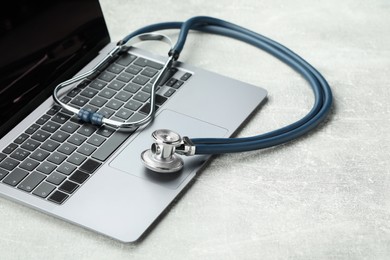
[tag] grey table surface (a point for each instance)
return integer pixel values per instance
(324, 196)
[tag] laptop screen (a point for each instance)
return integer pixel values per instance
(42, 43)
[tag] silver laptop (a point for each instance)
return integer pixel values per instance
(93, 177)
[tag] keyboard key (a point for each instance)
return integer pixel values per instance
(58, 197)
(145, 62)
(20, 154)
(50, 127)
(29, 164)
(125, 77)
(96, 140)
(116, 85)
(106, 76)
(97, 84)
(168, 74)
(169, 92)
(21, 138)
(171, 82)
(177, 84)
(60, 118)
(31, 181)
(90, 166)
(116, 69)
(106, 112)
(32, 129)
(142, 96)
(46, 167)
(67, 148)
(149, 72)
(50, 145)
(3, 173)
(39, 155)
(40, 135)
(74, 92)
(61, 136)
(2, 156)
(10, 148)
(44, 189)
(132, 88)
(69, 127)
(133, 105)
(186, 76)
(30, 145)
(43, 119)
(56, 158)
(79, 101)
(107, 93)
(53, 110)
(77, 139)
(98, 101)
(68, 187)
(66, 99)
(114, 104)
(133, 69)
(110, 145)
(126, 59)
(146, 109)
(15, 177)
(141, 80)
(105, 131)
(86, 149)
(87, 130)
(123, 96)
(124, 113)
(79, 177)
(66, 168)
(56, 178)
(76, 159)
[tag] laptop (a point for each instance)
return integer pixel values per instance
(93, 177)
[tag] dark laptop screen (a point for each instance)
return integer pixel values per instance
(43, 43)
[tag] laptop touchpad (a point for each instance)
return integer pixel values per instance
(129, 159)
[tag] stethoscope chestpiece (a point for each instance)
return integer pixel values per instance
(161, 156)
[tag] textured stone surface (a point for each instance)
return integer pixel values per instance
(324, 196)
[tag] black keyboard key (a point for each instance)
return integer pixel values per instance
(53, 110)
(125, 77)
(3, 173)
(146, 109)
(86, 149)
(20, 154)
(60, 118)
(97, 84)
(145, 62)
(133, 69)
(186, 76)
(114, 104)
(29, 164)
(98, 101)
(10, 148)
(167, 76)
(77, 139)
(66, 99)
(110, 145)
(89, 92)
(39, 155)
(116, 85)
(76, 159)
(68, 187)
(149, 72)
(50, 145)
(21, 138)
(56, 178)
(141, 80)
(30, 145)
(123, 96)
(70, 127)
(142, 96)
(66, 168)
(126, 59)
(133, 105)
(31, 181)
(90, 166)
(74, 92)
(32, 129)
(116, 69)
(66, 148)
(106, 76)
(43, 119)
(171, 82)
(2, 156)
(50, 126)
(106, 112)
(15, 177)
(87, 130)
(40, 135)
(56, 158)
(79, 177)
(132, 88)
(9, 164)
(96, 140)
(107, 93)
(169, 92)
(177, 84)
(79, 101)
(124, 113)
(44, 189)
(58, 197)
(46, 167)
(90, 108)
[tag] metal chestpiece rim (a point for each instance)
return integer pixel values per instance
(161, 156)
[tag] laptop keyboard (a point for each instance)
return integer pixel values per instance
(58, 153)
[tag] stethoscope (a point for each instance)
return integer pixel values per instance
(163, 154)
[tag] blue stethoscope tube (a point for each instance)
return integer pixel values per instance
(321, 89)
